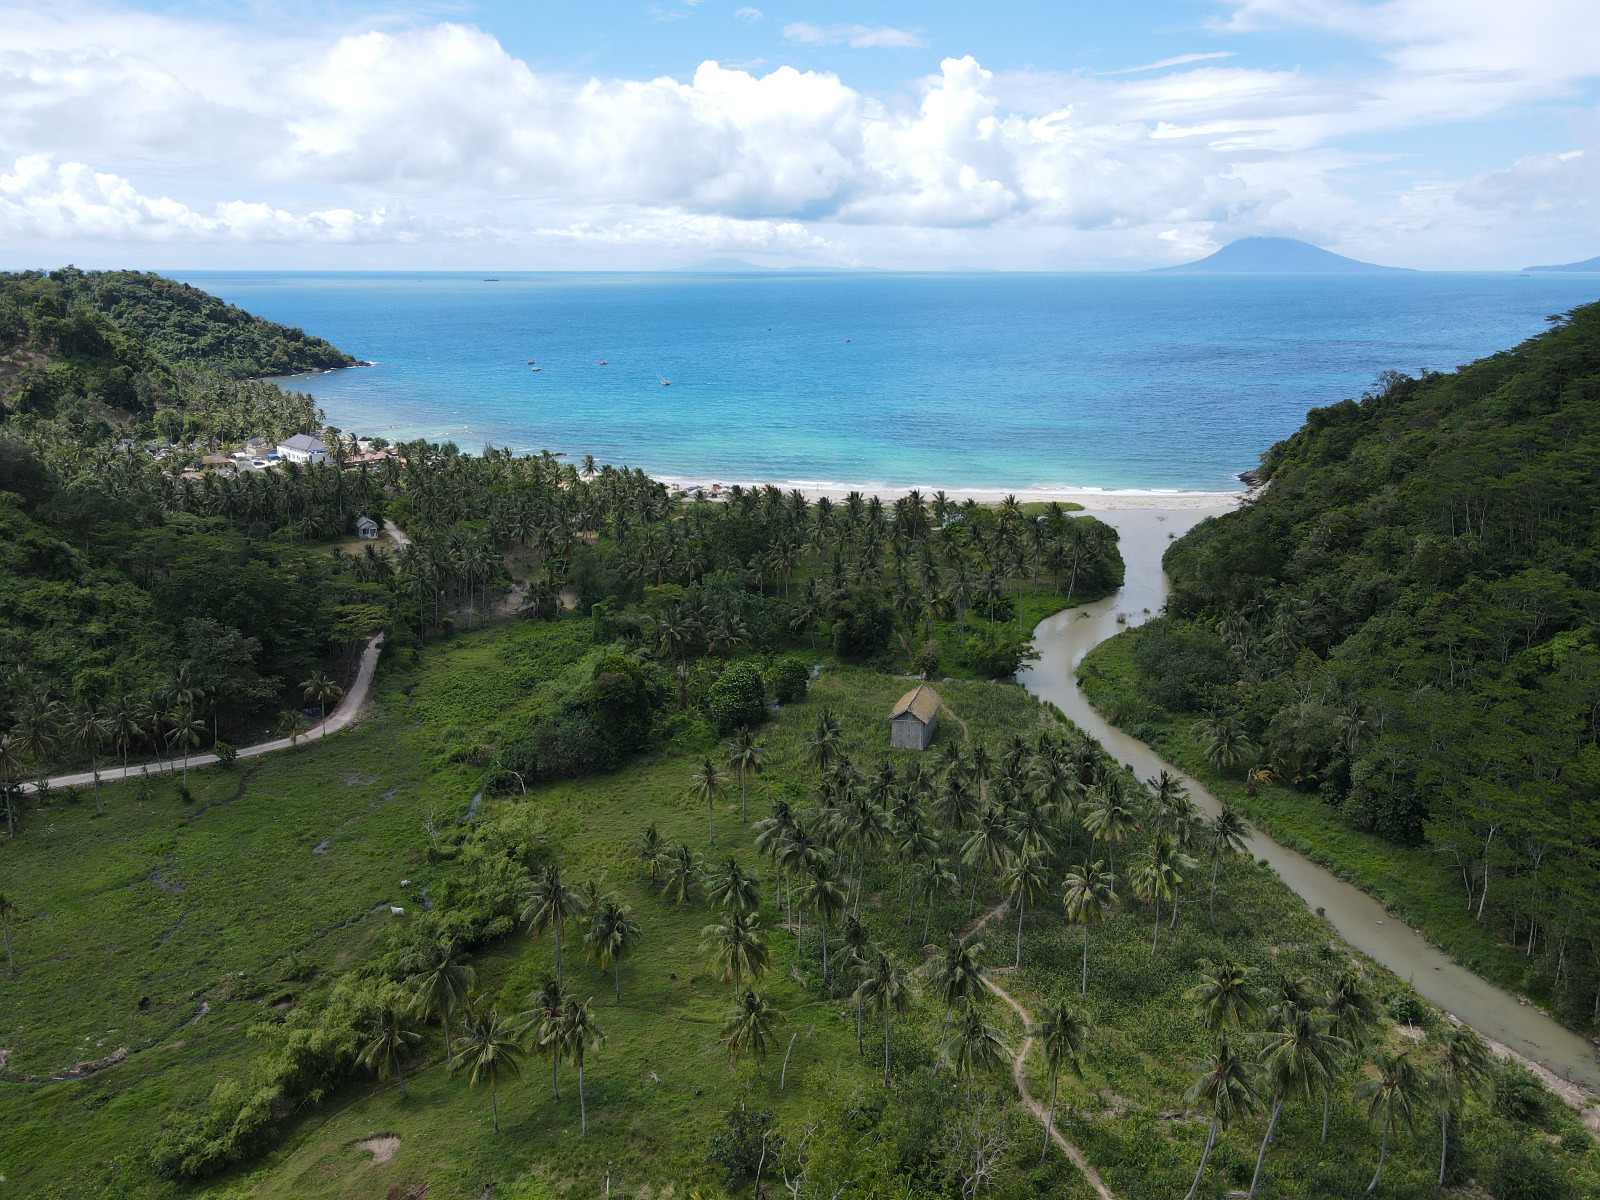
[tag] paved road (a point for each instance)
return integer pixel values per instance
(344, 713)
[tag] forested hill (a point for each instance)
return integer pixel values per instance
(1404, 625)
(176, 320)
(133, 342)
(184, 324)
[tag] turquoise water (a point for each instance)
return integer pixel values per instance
(1002, 380)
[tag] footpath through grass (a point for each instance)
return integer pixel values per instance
(170, 930)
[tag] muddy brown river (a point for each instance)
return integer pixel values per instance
(1062, 642)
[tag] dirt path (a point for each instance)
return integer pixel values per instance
(1040, 1113)
(349, 709)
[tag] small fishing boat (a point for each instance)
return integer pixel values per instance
(665, 382)
(530, 362)
(538, 368)
(602, 362)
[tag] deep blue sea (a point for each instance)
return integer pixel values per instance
(964, 380)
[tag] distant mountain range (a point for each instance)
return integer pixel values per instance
(1277, 255)
(1588, 264)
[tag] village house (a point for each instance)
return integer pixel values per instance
(366, 529)
(915, 719)
(302, 448)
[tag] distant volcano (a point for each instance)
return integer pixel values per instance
(1276, 255)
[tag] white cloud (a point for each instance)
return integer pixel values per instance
(748, 15)
(40, 199)
(437, 133)
(858, 37)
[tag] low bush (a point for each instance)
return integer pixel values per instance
(790, 678)
(738, 697)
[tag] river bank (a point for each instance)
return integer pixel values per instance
(1065, 638)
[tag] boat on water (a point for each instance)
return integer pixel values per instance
(664, 381)
(602, 362)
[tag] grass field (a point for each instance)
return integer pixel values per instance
(227, 912)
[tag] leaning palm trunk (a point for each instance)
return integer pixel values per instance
(1211, 1139)
(583, 1113)
(1272, 1124)
(1050, 1120)
(1383, 1152)
(1444, 1140)
(1083, 990)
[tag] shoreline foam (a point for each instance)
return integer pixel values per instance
(1093, 499)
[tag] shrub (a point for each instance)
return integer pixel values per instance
(861, 625)
(928, 660)
(227, 753)
(618, 702)
(1523, 1173)
(738, 697)
(998, 651)
(1519, 1096)
(564, 747)
(790, 678)
(1407, 1008)
(738, 1151)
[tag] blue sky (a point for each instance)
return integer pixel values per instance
(1450, 134)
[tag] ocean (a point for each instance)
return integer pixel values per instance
(1011, 381)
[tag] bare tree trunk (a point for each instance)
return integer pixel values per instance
(1272, 1124)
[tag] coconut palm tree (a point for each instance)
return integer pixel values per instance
(10, 772)
(1353, 1014)
(37, 731)
(737, 948)
(823, 896)
(1462, 1068)
(542, 1024)
(578, 1034)
(1225, 999)
(928, 881)
(321, 689)
(184, 735)
(1111, 820)
(885, 988)
(1391, 1098)
(489, 1053)
(1226, 744)
(744, 757)
(551, 904)
(612, 935)
(976, 1047)
(390, 1039)
(729, 887)
(1226, 1086)
(1296, 1058)
(955, 975)
(706, 783)
(1089, 899)
(1156, 878)
(123, 727)
(1225, 839)
(825, 742)
(988, 843)
(748, 1027)
(683, 873)
(439, 985)
(8, 913)
(1063, 1032)
(88, 730)
(1027, 878)
(651, 851)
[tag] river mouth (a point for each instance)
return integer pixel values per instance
(1062, 641)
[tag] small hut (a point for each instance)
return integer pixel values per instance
(366, 529)
(915, 718)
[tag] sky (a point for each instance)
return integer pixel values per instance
(647, 134)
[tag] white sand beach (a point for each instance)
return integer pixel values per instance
(1092, 499)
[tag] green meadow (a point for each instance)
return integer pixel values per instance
(164, 949)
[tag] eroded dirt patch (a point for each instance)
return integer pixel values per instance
(381, 1146)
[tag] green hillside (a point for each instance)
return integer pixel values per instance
(1401, 633)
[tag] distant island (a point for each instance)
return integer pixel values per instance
(1588, 264)
(1276, 255)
